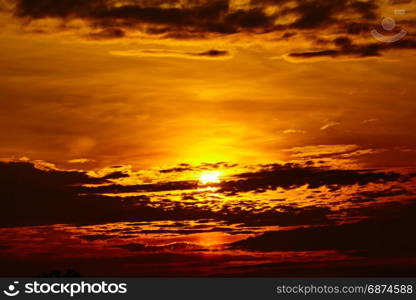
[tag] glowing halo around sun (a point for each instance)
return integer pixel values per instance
(210, 177)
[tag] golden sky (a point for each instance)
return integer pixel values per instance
(95, 83)
(181, 136)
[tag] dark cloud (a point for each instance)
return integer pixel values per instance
(372, 196)
(32, 196)
(322, 53)
(280, 216)
(203, 166)
(313, 14)
(292, 175)
(324, 13)
(394, 2)
(176, 170)
(346, 48)
(213, 53)
(375, 237)
(107, 33)
(96, 237)
(134, 247)
(356, 28)
(21, 173)
(209, 54)
(367, 9)
(190, 19)
(206, 16)
(391, 192)
(248, 19)
(371, 223)
(154, 187)
(105, 10)
(114, 175)
(268, 178)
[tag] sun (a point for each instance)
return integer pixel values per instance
(210, 177)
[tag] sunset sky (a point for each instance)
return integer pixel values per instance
(152, 83)
(251, 114)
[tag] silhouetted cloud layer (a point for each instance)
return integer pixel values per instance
(344, 47)
(383, 236)
(314, 19)
(203, 16)
(34, 196)
(292, 175)
(345, 222)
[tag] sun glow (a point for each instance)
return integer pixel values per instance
(210, 177)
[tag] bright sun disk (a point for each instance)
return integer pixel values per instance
(210, 177)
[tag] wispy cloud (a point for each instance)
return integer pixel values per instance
(209, 54)
(370, 121)
(294, 131)
(80, 160)
(329, 125)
